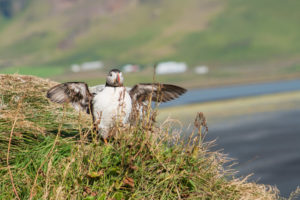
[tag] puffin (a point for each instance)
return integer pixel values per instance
(112, 102)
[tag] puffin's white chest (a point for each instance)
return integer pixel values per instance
(112, 104)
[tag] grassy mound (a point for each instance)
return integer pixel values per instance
(50, 152)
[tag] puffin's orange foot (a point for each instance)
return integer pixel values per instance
(105, 141)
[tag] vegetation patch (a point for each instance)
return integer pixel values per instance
(293, 68)
(50, 152)
(41, 71)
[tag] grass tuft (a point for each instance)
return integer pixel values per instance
(53, 154)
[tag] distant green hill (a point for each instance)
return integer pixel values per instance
(58, 33)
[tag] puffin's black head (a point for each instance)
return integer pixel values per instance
(114, 78)
(115, 70)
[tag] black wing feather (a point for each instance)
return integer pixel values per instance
(159, 92)
(76, 93)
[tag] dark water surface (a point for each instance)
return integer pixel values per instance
(231, 92)
(266, 144)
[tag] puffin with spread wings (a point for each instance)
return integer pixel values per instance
(111, 102)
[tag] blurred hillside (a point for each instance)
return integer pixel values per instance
(57, 33)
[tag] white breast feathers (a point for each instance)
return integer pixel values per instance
(111, 105)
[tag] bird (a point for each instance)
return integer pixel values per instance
(111, 102)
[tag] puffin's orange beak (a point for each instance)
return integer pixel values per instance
(118, 78)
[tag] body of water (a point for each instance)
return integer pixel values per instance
(231, 92)
(265, 144)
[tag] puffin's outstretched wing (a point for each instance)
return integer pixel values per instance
(159, 92)
(76, 93)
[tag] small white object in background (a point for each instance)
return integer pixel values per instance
(75, 68)
(201, 69)
(171, 67)
(130, 68)
(91, 65)
(87, 66)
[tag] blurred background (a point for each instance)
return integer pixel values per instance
(240, 61)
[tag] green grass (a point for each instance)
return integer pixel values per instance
(246, 31)
(54, 154)
(41, 71)
(293, 68)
